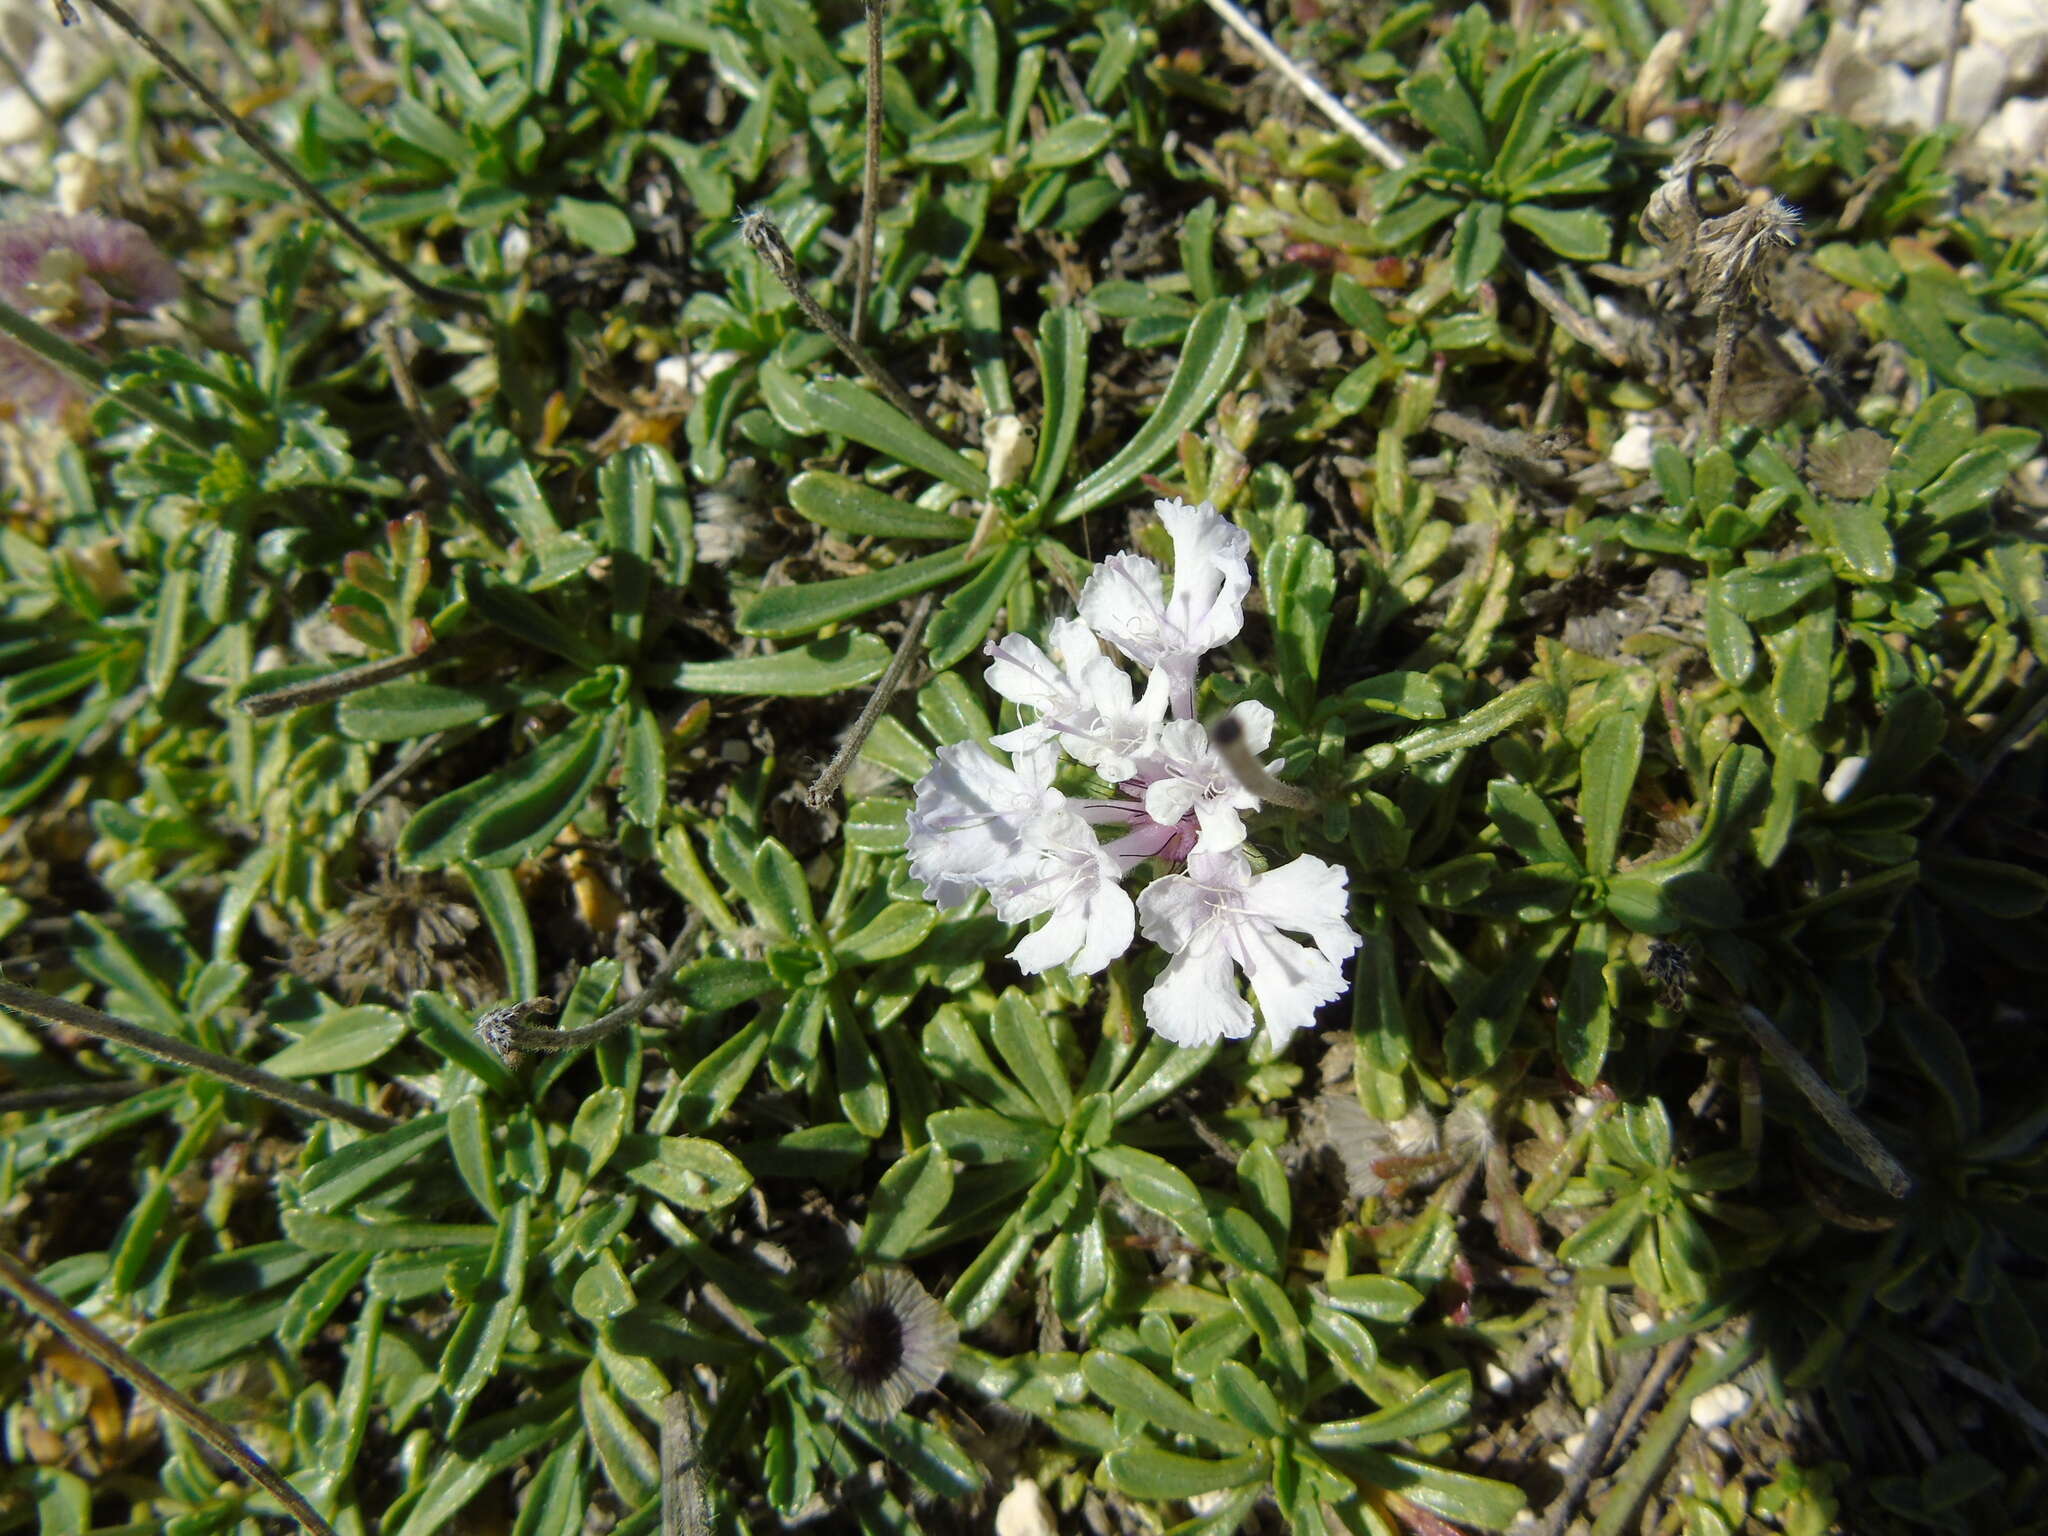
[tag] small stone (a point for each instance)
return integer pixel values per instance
(1719, 1405)
(1025, 1511)
(1842, 781)
(1496, 1380)
(1632, 449)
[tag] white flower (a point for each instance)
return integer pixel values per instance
(1125, 601)
(1083, 699)
(972, 818)
(1066, 873)
(1220, 918)
(1186, 776)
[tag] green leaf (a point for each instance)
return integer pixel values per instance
(1298, 574)
(195, 1342)
(1584, 1016)
(1457, 1496)
(1273, 1318)
(1577, 234)
(1019, 1033)
(1607, 776)
(1526, 825)
(1440, 1405)
(343, 1177)
(504, 907)
(1476, 245)
(1765, 591)
(687, 1171)
(643, 776)
(800, 607)
(1208, 361)
(957, 628)
(1405, 223)
(1071, 142)
(1731, 644)
(1207, 1344)
(1865, 542)
(841, 406)
(1553, 92)
(1442, 105)
(1377, 1298)
(594, 1136)
(1940, 432)
(470, 1358)
(837, 501)
(823, 667)
(785, 893)
(1156, 1185)
(341, 1042)
(1063, 364)
(407, 708)
(879, 826)
(1143, 1472)
(1249, 1401)
(601, 227)
(980, 1137)
(469, 1143)
(504, 816)
(907, 1200)
(1129, 1388)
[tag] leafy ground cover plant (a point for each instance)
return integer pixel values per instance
(410, 687)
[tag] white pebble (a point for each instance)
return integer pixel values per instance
(1631, 450)
(1025, 1512)
(1843, 779)
(1496, 1380)
(1719, 1405)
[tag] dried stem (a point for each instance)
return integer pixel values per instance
(1841, 1119)
(871, 175)
(453, 476)
(70, 1096)
(336, 685)
(1944, 82)
(1583, 329)
(1598, 1438)
(1727, 332)
(275, 159)
(1308, 85)
(96, 1346)
(826, 785)
(761, 233)
(166, 1048)
(684, 1511)
(504, 1031)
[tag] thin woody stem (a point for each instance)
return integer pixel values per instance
(503, 1031)
(827, 783)
(1727, 332)
(761, 233)
(1841, 1119)
(336, 685)
(175, 1052)
(80, 365)
(871, 175)
(102, 1350)
(275, 159)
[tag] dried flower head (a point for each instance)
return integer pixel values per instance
(1734, 255)
(71, 274)
(404, 934)
(884, 1341)
(1850, 466)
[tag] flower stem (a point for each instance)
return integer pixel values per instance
(502, 1030)
(90, 1341)
(89, 371)
(273, 157)
(827, 783)
(871, 176)
(166, 1048)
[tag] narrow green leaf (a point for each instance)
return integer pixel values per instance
(841, 406)
(470, 1358)
(1607, 776)
(1063, 365)
(812, 671)
(1129, 1388)
(1583, 1013)
(964, 618)
(1477, 245)
(1208, 362)
(799, 608)
(838, 501)
(907, 1200)
(1143, 1472)
(342, 1042)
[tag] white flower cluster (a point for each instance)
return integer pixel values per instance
(979, 824)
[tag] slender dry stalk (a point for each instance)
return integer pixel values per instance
(504, 1031)
(1582, 328)
(1944, 83)
(175, 1052)
(96, 1346)
(273, 157)
(1727, 332)
(684, 1510)
(89, 372)
(336, 685)
(826, 785)
(760, 231)
(1831, 1106)
(453, 476)
(871, 175)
